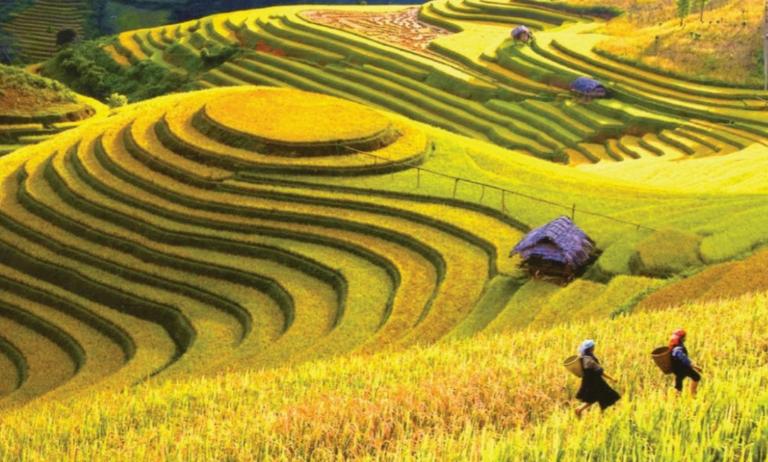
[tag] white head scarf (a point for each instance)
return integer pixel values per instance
(585, 346)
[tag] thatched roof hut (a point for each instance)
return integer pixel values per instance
(589, 87)
(522, 34)
(558, 249)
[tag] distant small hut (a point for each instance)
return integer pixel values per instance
(522, 34)
(557, 250)
(589, 88)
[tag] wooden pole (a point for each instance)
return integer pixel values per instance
(503, 200)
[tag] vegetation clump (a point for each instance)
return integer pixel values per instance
(88, 69)
(23, 93)
(666, 252)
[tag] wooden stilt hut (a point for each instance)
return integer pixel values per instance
(558, 250)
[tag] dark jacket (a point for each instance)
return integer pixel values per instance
(680, 360)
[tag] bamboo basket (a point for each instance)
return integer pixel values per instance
(573, 364)
(663, 358)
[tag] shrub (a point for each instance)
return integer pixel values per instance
(665, 253)
(214, 54)
(117, 100)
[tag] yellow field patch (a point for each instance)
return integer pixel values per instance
(295, 117)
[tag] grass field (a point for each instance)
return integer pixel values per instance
(728, 38)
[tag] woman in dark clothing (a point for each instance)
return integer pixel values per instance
(594, 388)
(682, 366)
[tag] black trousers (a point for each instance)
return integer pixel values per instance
(682, 374)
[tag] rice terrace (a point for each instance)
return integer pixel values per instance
(240, 230)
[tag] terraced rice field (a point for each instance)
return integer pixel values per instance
(18, 130)
(138, 233)
(247, 227)
(192, 234)
(453, 65)
(34, 28)
(34, 109)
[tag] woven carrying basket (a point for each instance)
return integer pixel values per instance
(663, 358)
(573, 364)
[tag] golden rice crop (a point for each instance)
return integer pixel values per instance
(48, 364)
(118, 153)
(620, 294)
(724, 280)
(523, 307)
(8, 375)
(103, 356)
(463, 261)
(686, 290)
(411, 143)
(502, 236)
(563, 305)
(217, 23)
(154, 348)
(470, 400)
(404, 258)
(302, 118)
(667, 252)
(131, 46)
(116, 56)
(41, 191)
(143, 133)
(314, 298)
(216, 331)
(742, 277)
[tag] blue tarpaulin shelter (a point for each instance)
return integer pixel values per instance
(559, 249)
(588, 87)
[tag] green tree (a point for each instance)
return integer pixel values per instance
(683, 9)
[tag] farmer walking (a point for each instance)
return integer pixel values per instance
(682, 366)
(594, 389)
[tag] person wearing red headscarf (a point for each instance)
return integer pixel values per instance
(682, 366)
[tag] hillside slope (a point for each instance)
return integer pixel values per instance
(447, 63)
(33, 108)
(722, 46)
(34, 28)
(254, 227)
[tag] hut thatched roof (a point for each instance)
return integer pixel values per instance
(586, 85)
(520, 30)
(559, 241)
